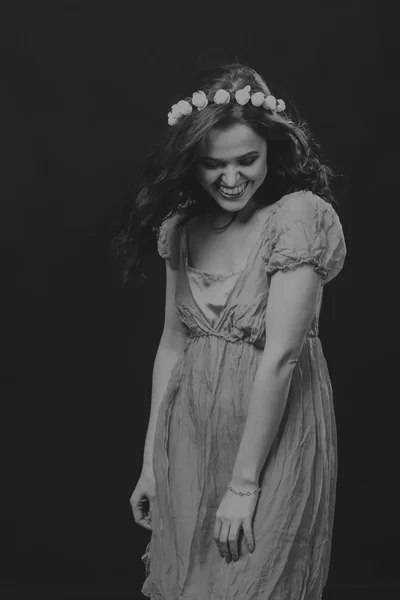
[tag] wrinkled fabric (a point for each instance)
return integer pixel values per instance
(203, 413)
(210, 292)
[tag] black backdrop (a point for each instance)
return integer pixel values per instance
(85, 91)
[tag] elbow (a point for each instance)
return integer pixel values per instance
(278, 358)
(173, 340)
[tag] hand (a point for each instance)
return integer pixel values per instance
(234, 512)
(145, 489)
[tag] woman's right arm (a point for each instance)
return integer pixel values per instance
(172, 343)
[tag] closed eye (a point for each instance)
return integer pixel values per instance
(243, 163)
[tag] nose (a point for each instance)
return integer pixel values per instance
(230, 177)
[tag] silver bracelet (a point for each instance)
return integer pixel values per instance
(244, 493)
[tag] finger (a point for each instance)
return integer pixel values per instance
(138, 513)
(223, 538)
(216, 534)
(233, 542)
(145, 524)
(248, 534)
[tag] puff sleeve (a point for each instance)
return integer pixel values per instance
(168, 241)
(306, 229)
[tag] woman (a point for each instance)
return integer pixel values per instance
(240, 459)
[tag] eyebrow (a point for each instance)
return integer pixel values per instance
(251, 153)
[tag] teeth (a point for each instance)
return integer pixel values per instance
(234, 192)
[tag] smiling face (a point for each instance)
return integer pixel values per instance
(232, 164)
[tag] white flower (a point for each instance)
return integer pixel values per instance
(222, 97)
(183, 108)
(178, 111)
(281, 106)
(172, 119)
(175, 112)
(243, 96)
(257, 99)
(270, 103)
(199, 99)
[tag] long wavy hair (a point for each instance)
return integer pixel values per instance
(170, 185)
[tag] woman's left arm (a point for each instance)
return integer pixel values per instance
(292, 303)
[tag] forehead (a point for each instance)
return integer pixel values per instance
(227, 143)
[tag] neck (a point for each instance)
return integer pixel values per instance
(224, 217)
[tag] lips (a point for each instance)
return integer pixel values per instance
(232, 192)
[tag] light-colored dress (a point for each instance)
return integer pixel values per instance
(203, 413)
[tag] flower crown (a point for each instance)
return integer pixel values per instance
(200, 100)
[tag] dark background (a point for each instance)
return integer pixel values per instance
(85, 91)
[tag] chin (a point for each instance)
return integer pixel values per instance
(233, 206)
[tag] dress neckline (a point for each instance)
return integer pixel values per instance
(223, 276)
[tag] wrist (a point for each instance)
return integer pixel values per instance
(147, 470)
(244, 479)
(241, 492)
(243, 488)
